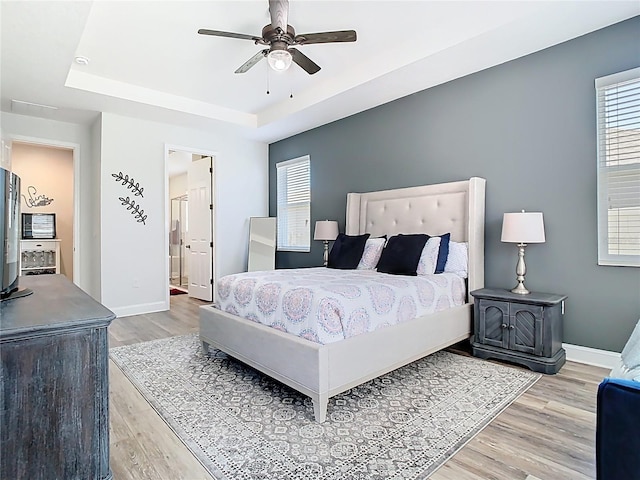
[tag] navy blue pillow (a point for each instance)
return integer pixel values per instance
(443, 252)
(402, 253)
(347, 251)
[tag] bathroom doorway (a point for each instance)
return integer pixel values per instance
(190, 222)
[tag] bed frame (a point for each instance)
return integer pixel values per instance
(322, 371)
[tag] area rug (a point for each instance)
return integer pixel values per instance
(241, 424)
(176, 291)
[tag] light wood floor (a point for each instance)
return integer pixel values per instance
(547, 434)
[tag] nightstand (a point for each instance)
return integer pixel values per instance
(524, 329)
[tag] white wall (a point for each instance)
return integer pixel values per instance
(133, 261)
(95, 224)
(40, 130)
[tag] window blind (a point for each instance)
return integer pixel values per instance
(294, 204)
(618, 116)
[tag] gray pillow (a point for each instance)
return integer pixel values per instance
(631, 351)
(629, 367)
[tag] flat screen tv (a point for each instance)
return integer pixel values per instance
(9, 232)
(38, 225)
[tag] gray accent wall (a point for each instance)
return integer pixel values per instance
(529, 127)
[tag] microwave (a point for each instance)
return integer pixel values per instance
(38, 225)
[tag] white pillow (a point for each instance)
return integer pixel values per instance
(458, 259)
(371, 254)
(429, 257)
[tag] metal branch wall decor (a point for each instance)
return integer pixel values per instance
(130, 183)
(129, 203)
(135, 209)
(34, 199)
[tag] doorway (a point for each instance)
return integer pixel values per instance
(190, 222)
(48, 173)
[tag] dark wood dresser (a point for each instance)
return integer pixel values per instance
(54, 402)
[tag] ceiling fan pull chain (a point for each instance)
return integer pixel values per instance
(268, 92)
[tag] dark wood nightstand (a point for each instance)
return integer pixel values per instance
(524, 329)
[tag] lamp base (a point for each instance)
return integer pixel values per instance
(520, 289)
(521, 271)
(326, 252)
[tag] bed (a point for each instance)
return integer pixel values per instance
(322, 371)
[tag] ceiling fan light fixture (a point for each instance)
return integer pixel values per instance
(280, 39)
(279, 60)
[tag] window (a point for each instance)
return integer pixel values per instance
(618, 107)
(294, 205)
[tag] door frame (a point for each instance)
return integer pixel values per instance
(167, 212)
(75, 147)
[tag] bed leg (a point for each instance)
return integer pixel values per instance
(205, 347)
(320, 407)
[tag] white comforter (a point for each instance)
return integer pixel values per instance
(325, 305)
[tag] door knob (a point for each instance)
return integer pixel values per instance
(188, 246)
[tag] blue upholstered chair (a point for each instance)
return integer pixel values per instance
(618, 417)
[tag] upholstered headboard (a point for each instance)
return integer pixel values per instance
(455, 207)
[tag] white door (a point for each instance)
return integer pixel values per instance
(199, 235)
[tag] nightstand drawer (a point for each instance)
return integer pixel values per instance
(495, 319)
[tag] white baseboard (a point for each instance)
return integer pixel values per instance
(591, 356)
(140, 309)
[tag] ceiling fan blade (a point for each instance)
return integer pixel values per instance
(305, 62)
(325, 37)
(218, 33)
(279, 12)
(252, 61)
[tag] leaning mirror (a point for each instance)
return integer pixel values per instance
(262, 243)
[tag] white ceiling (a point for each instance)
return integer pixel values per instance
(147, 60)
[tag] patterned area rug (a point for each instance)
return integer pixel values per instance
(244, 425)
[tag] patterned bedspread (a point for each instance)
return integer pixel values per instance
(327, 305)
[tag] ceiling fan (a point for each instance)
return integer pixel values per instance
(280, 37)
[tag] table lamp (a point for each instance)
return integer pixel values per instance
(522, 228)
(326, 230)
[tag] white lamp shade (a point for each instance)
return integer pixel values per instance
(326, 230)
(523, 227)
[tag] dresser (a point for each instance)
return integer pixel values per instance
(524, 329)
(54, 383)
